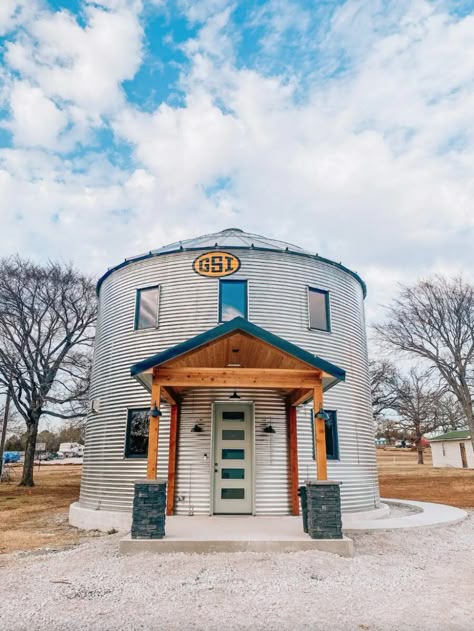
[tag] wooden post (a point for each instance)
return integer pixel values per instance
(319, 434)
(172, 459)
(293, 460)
(153, 431)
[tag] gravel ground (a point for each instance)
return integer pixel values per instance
(411, 580)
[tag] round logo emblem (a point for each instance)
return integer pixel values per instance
(216, 264)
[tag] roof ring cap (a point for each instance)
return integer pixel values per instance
(232, 230)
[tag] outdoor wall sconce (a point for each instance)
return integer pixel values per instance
(196, 428)
(155, 412)
(269, 429)
(322, 415)
(234, 396)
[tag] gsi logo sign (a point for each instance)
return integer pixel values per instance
(216, 264)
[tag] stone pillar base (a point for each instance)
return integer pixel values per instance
(149, 509)
(324, 509)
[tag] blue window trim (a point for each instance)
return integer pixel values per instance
(328, 309)
(335, 437)
(234, 280)
(137, 308)
(127, 453)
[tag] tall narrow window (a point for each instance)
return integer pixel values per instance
(318, 305)
(232, 299)
(136, 440)
(332, 442)
(146, 310)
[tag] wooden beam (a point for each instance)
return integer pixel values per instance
(237, 377)
(173, 452)
(170, 395)
(293, 460)
(299, 396)
(319, 434)
(153, 432)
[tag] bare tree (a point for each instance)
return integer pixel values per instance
(382, 373)
(417, 399)
(434, 320)
(450, 414)
(388, 428)
(47, 318)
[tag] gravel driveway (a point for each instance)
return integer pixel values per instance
(413, 579)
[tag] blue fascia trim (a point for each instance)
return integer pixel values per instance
(238, 324)
(234, 247)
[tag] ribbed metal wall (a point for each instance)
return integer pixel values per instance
(188, 306)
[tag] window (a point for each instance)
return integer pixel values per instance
(136, 440)
(332, 443)
(233, 416)
(232, 494)
(146, 310)
(318, 306)
(233, 434)
(233, 474)
(232, 299)
(233, 454)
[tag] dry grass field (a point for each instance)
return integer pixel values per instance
(401, 477)
(37, 518)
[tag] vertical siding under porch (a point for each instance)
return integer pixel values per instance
(193, 493)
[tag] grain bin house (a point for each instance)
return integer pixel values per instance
(234, 367)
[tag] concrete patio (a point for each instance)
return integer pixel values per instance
(235, 534)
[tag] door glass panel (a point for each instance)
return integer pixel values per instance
(233, 474)
(233, 434)
(233, 454)
(232, 494)
(233, 416)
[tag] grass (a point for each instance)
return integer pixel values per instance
(401, 477)
(37, 517)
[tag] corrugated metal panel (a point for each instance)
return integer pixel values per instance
(356, 468)
(188, 306)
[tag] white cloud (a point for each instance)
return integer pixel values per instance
(36, 121)
(74, 71)
(15, 12)
(371, 166)
(80, 65)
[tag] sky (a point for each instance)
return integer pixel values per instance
(344, 127)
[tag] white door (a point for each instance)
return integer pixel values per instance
(233, 442)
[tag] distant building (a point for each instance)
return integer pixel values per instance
(453, 449)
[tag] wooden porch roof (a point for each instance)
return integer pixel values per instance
(238, 354)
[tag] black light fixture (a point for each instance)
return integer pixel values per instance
(269, 429)
(155, 412)
(234, 396)
(196, 428)
(322, 415)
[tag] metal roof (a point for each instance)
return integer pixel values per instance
(460, 434)
(231, 238)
